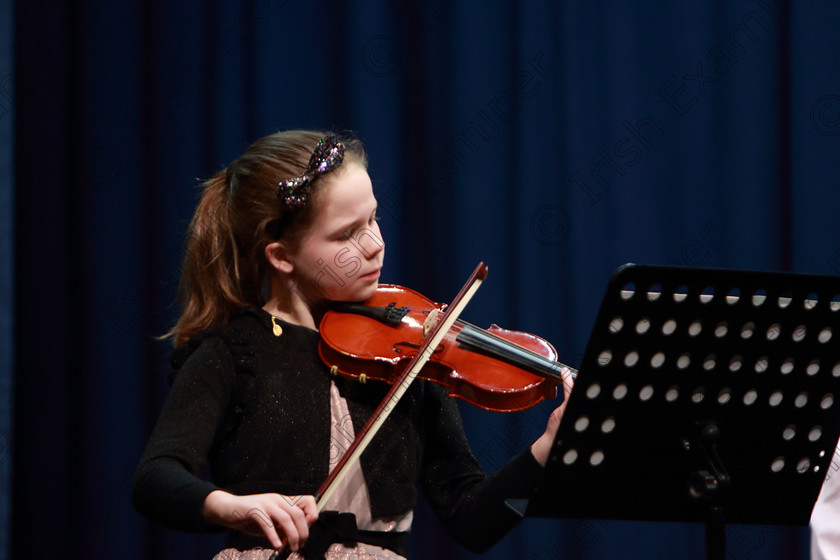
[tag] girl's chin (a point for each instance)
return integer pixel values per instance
(359, 293)
(368, 291)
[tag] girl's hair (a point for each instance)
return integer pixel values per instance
(238, 214)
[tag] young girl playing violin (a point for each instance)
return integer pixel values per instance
(285, 230)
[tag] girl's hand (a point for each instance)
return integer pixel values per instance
(284, 520)
(541, 447)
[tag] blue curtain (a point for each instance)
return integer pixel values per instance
(553, 140)
(7, 266)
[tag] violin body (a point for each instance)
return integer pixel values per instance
(481, 366)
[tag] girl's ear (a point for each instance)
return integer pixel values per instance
(278, 257)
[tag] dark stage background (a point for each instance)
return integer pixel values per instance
(553, 140)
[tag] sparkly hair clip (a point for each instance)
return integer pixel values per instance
(294, 193)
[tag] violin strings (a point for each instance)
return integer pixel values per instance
(475, 335)
(493, 342)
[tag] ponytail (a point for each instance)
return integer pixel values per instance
(210, 288)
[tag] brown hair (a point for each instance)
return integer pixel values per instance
(239, 214)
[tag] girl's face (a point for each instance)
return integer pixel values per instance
(340, 255)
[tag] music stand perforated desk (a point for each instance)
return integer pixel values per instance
(704, 396)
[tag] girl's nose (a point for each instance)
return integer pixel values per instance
(370, 242)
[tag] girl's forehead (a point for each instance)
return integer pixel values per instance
(347, 195)
(351, 186)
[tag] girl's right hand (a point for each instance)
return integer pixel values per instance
(283, 519)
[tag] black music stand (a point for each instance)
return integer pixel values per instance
(704, 395)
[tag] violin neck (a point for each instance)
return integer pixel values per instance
(483, 342)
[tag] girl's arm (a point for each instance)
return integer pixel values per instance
(168, 487)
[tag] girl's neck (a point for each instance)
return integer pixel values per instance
(291, 306)
(291, 316)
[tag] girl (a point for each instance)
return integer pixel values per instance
(286, 229)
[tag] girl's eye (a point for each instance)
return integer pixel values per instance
(352, 232)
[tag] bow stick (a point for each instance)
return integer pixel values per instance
(398, 389)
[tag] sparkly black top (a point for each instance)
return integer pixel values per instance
(256, 407)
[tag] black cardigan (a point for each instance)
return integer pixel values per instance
(257, 407)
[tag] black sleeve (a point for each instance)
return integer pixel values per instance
(468, 503)
(167, 487)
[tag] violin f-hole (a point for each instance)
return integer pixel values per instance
(413, 346)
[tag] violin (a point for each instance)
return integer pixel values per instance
(386, 338)
(495, 369)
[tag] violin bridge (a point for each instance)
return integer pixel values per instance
(431, 321)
